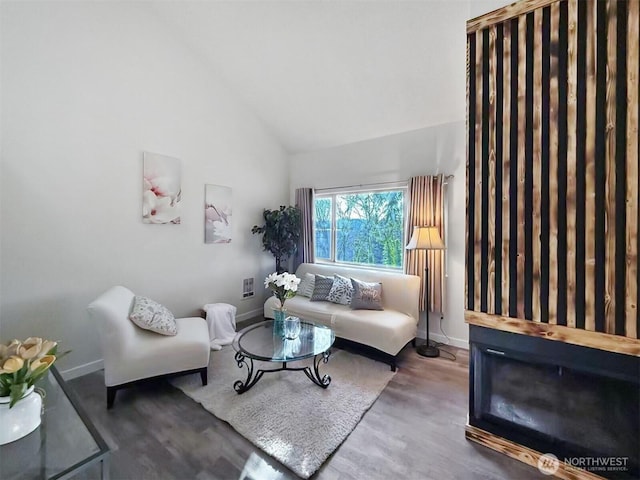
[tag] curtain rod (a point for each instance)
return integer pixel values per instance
(446, 177)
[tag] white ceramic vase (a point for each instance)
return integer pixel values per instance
(21, 419)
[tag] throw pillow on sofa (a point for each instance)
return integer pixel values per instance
(306, 285)
(366, 296)
(341, 291)
(321, 288)
(152, 316)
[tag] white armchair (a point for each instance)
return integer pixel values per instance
(132, 354)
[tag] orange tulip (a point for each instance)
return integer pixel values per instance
(45, 360)
(12, 347)
(30, 348)
(12, 364)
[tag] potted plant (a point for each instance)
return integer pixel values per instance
(284, 286)
(281, 232)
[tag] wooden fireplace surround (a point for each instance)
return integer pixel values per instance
(552, 177)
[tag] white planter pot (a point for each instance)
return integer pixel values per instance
(21, 419)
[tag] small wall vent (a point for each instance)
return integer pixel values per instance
(247, 288)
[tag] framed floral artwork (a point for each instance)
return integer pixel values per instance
(217, 214)
(161, 190)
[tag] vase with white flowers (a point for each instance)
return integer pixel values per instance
(284, 286)
(22, 364)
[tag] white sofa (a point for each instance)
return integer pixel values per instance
(387, 331)
(132, 354)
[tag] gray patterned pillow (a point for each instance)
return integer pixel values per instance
(341, 291)
(366, 296)
(152, 316)
(321, 288)
(306, 285)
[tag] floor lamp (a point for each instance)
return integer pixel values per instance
(426, 238)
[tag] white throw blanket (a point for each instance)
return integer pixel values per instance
(221, 318)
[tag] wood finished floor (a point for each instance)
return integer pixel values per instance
(415, 430)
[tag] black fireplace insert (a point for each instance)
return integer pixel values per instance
(580, 404)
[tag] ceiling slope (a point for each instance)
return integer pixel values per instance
(322, 74)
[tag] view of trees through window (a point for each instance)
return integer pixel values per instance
(368, 228)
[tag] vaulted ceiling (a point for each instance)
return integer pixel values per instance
(321, 74)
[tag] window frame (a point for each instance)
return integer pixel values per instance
(332, 193)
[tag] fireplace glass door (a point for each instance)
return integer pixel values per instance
(554, 408)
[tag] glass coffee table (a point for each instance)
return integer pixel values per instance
(262, 343)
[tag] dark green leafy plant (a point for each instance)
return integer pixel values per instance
(281, 232)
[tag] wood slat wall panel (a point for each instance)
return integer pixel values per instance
(468, 205)
(522, 55)
(554, 127)
(478, 169)
(502, 14)
(553, 164)
(537, 162)
(506, 165)
(572, 98)
(610, 185)
(491, 211)
(590, 168)
(632, 314)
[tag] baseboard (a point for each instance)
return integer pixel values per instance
(258, 312)
(454, 342)
(81, 370)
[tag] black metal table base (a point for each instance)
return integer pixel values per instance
(253, 376)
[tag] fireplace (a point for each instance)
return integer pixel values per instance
(578, 403)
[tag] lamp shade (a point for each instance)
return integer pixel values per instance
(425, 238)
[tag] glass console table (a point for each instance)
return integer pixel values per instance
(63, 445)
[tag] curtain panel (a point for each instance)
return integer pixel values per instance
(427, 208)
(306, 248)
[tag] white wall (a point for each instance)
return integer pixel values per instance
(86, 88)
(480, 7)
(431, 150)
(438, 149)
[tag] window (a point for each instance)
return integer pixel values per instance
(361, 227)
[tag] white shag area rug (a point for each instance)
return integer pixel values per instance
(285, 414)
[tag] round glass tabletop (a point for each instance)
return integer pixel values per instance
(261, 342)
